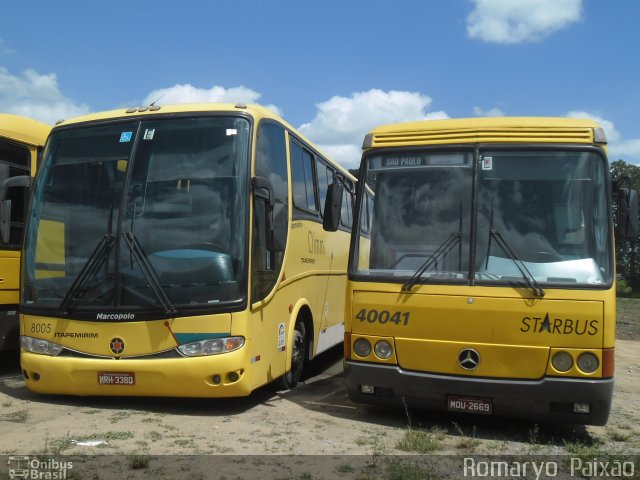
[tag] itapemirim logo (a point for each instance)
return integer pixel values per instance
(38, 468)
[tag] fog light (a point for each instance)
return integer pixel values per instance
(362, 347)
(562, 361)
(383, 349)
(588, 362)
(581, 408)
(233, 377)
(216, 379)
(368, 389)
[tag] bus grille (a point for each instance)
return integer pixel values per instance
(483, 135)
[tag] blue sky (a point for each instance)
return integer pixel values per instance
(333, 68)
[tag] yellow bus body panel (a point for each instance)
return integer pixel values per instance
(513, 335)
(157, 377)
(144, 343)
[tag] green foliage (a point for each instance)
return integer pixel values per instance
(627, 250)
(622, 288)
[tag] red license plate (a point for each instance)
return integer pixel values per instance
(116, 378)
(469, 405)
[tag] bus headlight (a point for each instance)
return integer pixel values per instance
(42, 347)
(562, 361)
(212, 346)
(383, 349)
(588, 362)
(362, 347)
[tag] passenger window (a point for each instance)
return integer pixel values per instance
(346, 216)
(303, 184)
(15, 160)
(325, 178)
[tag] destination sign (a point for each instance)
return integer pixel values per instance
(418, 160)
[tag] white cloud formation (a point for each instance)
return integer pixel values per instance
(492, 112)
(37, 96)
(619, 148)
(517, 21)
(341, 123)
(189, 94)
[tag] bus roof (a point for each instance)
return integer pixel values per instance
(23, 129)
(486, 130)
(258, 112)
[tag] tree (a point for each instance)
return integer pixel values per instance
(627, 250)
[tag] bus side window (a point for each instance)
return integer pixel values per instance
(325, 177)
(15, 160)
(346, 217)
(271, 163)
(303, 179)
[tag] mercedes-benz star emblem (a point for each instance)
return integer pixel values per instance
(117, 345)
(469, 359)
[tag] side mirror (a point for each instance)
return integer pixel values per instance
(263, 190)
(5, 204)
(333, 207)
(627, 212)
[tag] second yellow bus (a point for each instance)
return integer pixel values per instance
(481, 273)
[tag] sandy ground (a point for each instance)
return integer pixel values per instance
(316, 418)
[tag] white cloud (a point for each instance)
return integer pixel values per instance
(189, 94)
(619, 148)
(517, 21)
(492, 112)
(627, 150)
(37, 96)
(613, 136)
(341, 123)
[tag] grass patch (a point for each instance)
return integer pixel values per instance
(618, 435)
(19, 416)
(345, 468)
(422, 440)
(153, 436)
(184, 442)
(116, 417)
(466, 442)
(587, 449)
(138, 462)
(400, 470)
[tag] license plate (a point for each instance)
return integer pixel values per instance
(469, 404)
(119, 378)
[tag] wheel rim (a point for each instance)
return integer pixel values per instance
(297, 357)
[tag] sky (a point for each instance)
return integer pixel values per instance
(332, 68)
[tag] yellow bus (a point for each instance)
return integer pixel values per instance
(481, 271)
(21, 140)
(180, 251)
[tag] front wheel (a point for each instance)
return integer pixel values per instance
(298, 357)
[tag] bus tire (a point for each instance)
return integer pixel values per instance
(299, 348)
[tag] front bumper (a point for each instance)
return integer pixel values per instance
(173, 377)
(547, 399)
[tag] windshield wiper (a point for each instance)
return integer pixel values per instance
(94, 263)
(440, 252)
(149, 273)
(524, 271)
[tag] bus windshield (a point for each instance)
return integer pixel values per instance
(540, 218)
(139, 216)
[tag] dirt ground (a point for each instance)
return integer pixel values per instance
(316, 418)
